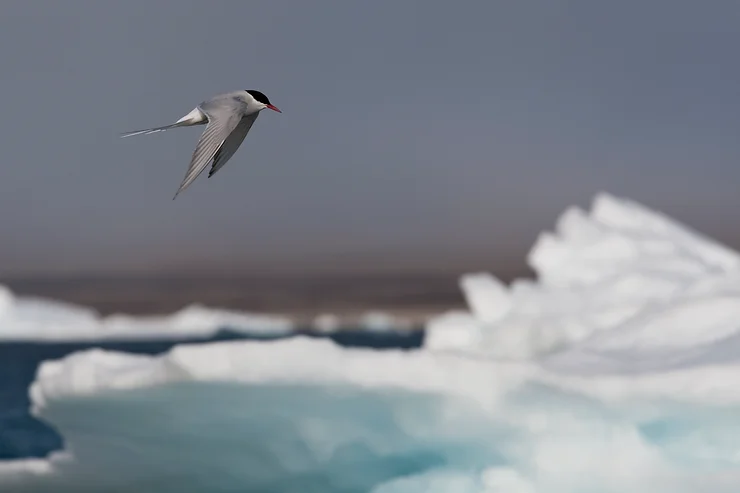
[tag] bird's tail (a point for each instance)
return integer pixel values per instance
(195, 117)
(148, 131)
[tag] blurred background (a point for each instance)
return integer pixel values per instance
(418, 141)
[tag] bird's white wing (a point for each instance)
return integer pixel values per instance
(232, 143)
(222, 120)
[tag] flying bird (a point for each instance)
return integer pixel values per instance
(228, 118)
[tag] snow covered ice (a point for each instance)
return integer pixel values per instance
(616, 370)
(23, 318)
(622, 278)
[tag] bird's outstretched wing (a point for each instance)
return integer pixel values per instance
(222, 120)
(232, 143)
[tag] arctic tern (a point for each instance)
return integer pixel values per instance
(228, 118)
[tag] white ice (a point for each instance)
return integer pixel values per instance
(37, 319)
(378, 321)
(32, 319)
(623, 287)
(369, 321)
(616, 370)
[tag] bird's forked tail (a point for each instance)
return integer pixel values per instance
(148, 131)
(195, 117)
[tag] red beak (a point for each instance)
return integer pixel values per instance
(274, 108)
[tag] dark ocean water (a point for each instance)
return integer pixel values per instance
(22, 436)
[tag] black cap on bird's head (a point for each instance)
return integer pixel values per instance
(261, 98)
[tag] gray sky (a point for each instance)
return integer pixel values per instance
(414, 134)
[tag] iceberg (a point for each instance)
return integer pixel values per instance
(36, 319)
(622, 286)
(615, 370)
(377, 321)
(33, 319)
(374, 321)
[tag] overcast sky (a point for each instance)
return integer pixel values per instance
(416, 134)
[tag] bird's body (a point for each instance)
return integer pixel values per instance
(228, 118)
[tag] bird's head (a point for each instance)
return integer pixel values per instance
(262, 100)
